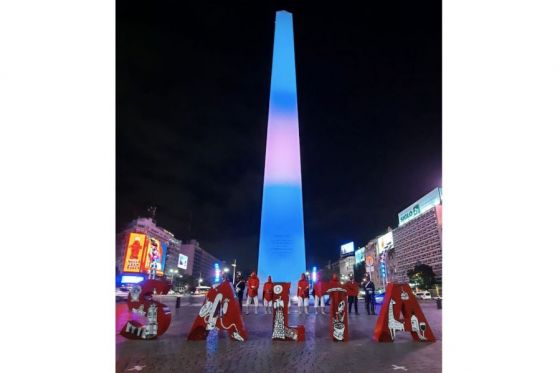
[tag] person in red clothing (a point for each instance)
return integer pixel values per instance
(252, 292)
(319, 292)
(334, 283)
(267, 295)
(352, 291)
(303, 294)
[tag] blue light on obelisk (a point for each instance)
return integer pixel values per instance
(282, 241)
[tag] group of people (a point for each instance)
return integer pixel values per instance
(250, 288)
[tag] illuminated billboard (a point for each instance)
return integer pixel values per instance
(134, 255)
(419, 207)
(360, 255)
(183, 260)
(347, 248)
(155, 252)
(385, 242)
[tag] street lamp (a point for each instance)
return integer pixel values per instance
(226, 270)
(173, 272)
(234, 265)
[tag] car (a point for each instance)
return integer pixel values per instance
(379, 297)
(201, 290)
(423, 295)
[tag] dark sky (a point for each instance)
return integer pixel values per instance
(192, 104)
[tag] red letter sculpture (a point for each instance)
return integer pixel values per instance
(399, 298)
(219, 311)
(144, 308)
(280, 329)
(339, 319)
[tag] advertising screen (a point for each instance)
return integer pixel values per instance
(347, 248)
(360, 255)
(385, 242)
(419, 207)
(183, 261)
(155, 252)
(135, 248)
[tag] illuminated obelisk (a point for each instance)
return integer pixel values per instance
(282, 241)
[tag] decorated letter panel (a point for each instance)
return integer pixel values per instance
(150, 318)
(401, 313)
(220, 311)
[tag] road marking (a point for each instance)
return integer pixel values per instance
(137, 367)
(397, 367)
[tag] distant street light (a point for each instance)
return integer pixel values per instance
(226, 270)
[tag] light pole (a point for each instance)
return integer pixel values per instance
(234, 265)
(173, 272)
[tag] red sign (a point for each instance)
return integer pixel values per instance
(280, 329)
(339, 314)
(220, 311)
(150, 319)
(398, 300)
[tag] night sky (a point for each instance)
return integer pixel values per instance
(193, 83)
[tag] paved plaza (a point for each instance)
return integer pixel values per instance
(173, 353)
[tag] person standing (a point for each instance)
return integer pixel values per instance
(318, 292)
(252, 292)
(239, 289)
(303, 294)
(267, 295)
(352, 289)
(369, 288)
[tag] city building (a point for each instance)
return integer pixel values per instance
(346, 267)
(148, 227)
(417, 239)
(380, 258)
(203, 262)
(180, 259)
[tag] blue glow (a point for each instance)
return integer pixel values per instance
(216, 272)
(282, 240)
(129, 279)
(314, 274)
(163, 256)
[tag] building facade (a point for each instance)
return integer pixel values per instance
(346, 267)
(417, 239)
(149, 227)
(203, 262)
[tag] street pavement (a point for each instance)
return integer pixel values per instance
(171, 352)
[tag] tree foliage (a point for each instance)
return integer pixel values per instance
(422, 275)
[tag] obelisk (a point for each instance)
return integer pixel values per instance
(282, 240)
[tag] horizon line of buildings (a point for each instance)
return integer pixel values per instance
(389, 256)
(177, 258)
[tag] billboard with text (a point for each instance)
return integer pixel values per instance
(134, 252)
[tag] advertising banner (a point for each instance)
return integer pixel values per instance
(135, 250)
(360, 255)
(385, 242)
(347, 248)
(183, 261)
(419, 207)
(154, 256)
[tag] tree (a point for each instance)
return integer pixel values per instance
(422, 275)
